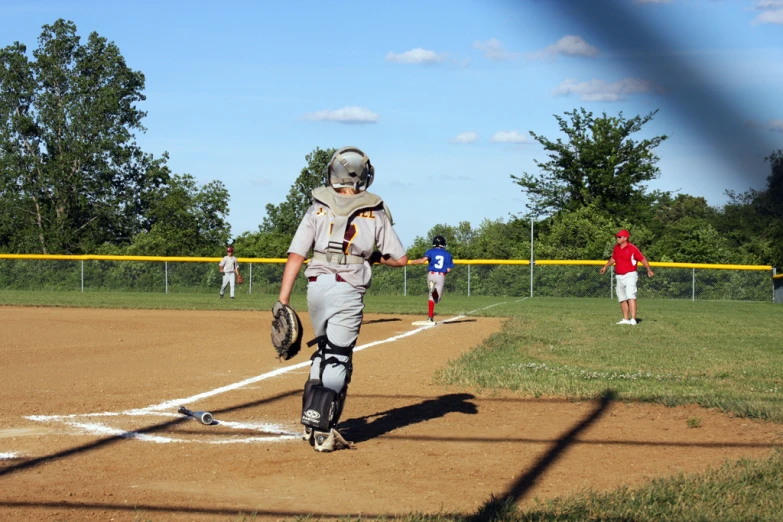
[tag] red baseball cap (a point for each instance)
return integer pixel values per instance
(623, 233)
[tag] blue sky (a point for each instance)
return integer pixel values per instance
(440, 94)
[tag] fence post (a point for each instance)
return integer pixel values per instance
(405, 281)
(468, 280)
(693, 285)
(166, 270)
(774, 273)
(611, 282)
(82, 275)
(532, 259)
(250, 286)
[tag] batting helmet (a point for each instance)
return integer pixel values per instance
(230, 249)
(349, 168)
(439, 241)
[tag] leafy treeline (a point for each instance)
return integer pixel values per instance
(74, 180)
(72, 177)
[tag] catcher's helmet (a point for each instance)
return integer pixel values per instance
(349, 168)
(439, 241)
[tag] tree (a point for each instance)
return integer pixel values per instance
(184, 220)
(753, 220)
(71, 172)
(599, 165)
(285, 217)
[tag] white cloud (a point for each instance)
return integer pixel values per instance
(416, 56)
(771, 125)
(569, 45)
(771, 12)
(465, 137)
(772, 16)
(452, 177)
(599, 90)
(512, 136)
(494, 50)
(344, 115)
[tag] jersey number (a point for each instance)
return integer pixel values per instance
(439, 262)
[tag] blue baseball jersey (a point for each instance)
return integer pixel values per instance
(440, 260)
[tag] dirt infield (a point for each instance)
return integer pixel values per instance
(419, 447)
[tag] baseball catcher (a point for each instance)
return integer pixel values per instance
(342, 227)
(286, 331)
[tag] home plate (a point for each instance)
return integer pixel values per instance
(422, 323)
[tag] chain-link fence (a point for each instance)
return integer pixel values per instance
(547, 279)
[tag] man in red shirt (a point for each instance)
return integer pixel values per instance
(625, 257)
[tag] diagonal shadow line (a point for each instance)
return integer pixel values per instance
(200, 510)
(526, 481)
(32, 463)
(713, 113)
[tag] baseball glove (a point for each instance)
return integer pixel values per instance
(286, 331)
(240, 279)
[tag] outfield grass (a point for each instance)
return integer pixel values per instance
(727, 355)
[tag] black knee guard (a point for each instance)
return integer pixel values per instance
(322, 406)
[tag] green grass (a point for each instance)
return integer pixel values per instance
(725, 355)
(718, 354)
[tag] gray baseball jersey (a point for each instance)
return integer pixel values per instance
(229, 264)
(367, 229)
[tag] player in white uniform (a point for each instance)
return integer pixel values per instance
(229, 267)
(341, 227)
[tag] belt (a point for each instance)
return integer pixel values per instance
(336, 278)
(437, 273)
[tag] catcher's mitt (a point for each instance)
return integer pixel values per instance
(286, 331)
(240, 279)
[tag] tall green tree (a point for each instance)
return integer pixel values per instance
(71, 173)
(184, 219)
(285, 217)
(599, 164)
(278, 227)
(753, 220)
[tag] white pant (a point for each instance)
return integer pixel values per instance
(228, 278)
(626, 286)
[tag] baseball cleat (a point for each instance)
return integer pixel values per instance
(632, 322)
(308, 435)
(624, 321)
(326, 442)
(430, 320)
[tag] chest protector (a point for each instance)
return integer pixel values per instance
(344, 208)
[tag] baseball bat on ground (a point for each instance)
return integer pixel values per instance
(204, 417)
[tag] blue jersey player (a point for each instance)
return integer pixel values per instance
(440, 263)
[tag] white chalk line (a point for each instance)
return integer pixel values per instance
(95, 428)
(9, 456)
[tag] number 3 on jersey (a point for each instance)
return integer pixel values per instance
(439, 260)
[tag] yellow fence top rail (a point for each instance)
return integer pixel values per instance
(525, 262)
(90, 257)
